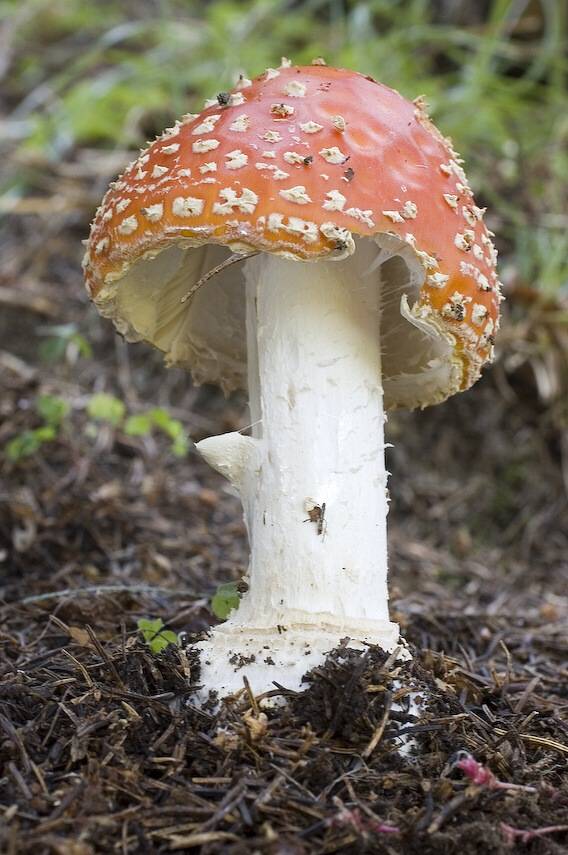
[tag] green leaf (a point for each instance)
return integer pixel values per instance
(224, 600)
(60, 337)
(106, 408)
(52, 409)
(138, 425)
(172, 428)
(160, 418)
(142, 424)
(52, 350)
(45, 433)
(22, 446)
(82, 345)
(180, 446)
(155, 637)
(28, 442)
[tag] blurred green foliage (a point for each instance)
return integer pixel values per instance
(493, 71)
(142, 424)
(101, 407)
(28, 443)
(63, 341)
(53, 411)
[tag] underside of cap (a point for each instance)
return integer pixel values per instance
(423, 363)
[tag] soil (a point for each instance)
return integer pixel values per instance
(102, 748)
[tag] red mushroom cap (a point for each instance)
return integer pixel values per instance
(298, 163)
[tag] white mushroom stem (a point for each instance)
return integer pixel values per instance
(312, 478)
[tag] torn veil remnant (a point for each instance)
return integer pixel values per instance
(367, 282)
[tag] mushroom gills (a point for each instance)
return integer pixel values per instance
(208, 335)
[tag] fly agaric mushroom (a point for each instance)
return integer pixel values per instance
(367, 280)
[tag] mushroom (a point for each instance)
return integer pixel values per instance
(335, 269)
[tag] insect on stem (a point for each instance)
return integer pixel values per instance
(316, 514)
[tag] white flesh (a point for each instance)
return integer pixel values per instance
(314, 357)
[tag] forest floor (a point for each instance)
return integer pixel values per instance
(102, 748)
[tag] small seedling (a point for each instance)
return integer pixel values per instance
(27, 443)
(103, 407)
(155, 636)
(63, 341)
(142, 424)
(224, 600)
(54, 411)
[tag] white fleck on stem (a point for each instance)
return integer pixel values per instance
(312, 478)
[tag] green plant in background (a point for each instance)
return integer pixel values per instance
(103, 407)
(54, 412)
(63, 341)
(52, 409)
(142, 424)
(28, 443)
(225, 599)
(155, 636)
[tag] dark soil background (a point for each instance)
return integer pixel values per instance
(102, 748)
